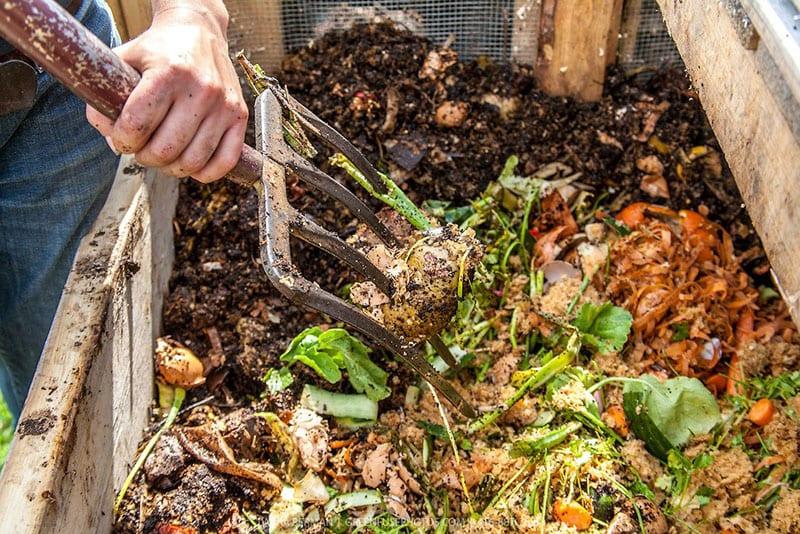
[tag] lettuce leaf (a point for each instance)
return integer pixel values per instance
(674, 410)
(605, 327)
(328, 352)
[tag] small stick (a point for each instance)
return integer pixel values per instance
(177, 401)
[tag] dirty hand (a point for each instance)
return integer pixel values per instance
(187, 116)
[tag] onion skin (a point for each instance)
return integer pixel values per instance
(178, 366)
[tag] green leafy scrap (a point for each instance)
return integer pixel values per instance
(278, 379)
(604, 327)
(680, 331)
(617, 226)
(328, 352)
(678, 479)
(665, 415)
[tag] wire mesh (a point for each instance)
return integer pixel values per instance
(476, 27)
(653, 46)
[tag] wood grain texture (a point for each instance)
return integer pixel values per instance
(737, 89)
(119, 18)
(90, 398)
(614, 32)
(137, 14)
(778, 26)
(572, 47)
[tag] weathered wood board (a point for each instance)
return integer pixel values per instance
(745, 98)
(572, 49)
(91, 395)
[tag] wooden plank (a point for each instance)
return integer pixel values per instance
(525, 31)
(256, 28)
(119, 18)
(91, 393)
(138, 14)
(614, 32)
(572, 47)
(756, 137)
(629, 30)
(778, 26)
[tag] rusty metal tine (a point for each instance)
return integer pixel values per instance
(443, 351)
(312, 233)
(331, 137)
(323, 182)
(275, 217)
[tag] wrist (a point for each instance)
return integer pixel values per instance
(208, 13)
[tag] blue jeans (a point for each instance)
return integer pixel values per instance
(55, 174)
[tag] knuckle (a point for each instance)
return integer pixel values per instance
(239, 110)
(209, 89)
(228, 160)
(176, 70)
(158, 155)
(191, 163)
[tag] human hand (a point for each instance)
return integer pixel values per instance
(187, 116)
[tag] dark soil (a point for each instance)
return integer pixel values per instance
(346, 78)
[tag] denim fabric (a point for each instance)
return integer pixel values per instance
(55, 174)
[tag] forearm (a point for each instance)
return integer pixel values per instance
(209, 12)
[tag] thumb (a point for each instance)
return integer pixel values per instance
(131, 53)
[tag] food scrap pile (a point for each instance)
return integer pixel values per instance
(633, 370)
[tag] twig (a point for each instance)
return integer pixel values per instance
(456, 456)
(177, 400)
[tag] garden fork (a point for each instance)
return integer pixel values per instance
(58, 43)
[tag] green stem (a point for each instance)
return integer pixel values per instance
(177, 401)
(395, 198)
(584, 285)
(536, 379)
(617, 380)
(530, 447)
(591, 420)
(504, 487)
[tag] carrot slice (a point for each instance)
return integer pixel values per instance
(762, 412)
(735, 377)
(716, 384)
(615, 417)
(744, 326)
(632, 215)
(573, 514)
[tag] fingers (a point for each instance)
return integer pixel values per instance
(174, 133)
(101, 123)
(187, 115)
(200, 149)
(226, 155)
(144, 111)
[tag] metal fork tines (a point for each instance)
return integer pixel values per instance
(279, 221)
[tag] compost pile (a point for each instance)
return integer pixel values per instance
(633, 367)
